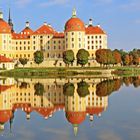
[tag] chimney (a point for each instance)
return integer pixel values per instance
(90, 22)
(27, 24)
(99, 25)
(45, 23)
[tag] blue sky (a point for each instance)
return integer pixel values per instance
(119, 18)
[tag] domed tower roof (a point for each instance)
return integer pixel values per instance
(4, 26)
(75, 117)
(5, 116)
(74, 23)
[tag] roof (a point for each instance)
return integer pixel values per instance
(5, 116)
(45, 29)
(76, 117)
(58, 35)
(95, 110)
(74, 24)
(45, 112)
(94, 30)
(27, 31)
(4, 27)
(20, 36)
(4, 87)
(4, 59)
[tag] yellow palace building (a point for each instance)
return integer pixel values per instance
(77, 35)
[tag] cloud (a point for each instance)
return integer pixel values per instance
(23, 3)
(132, 5)
(54, 2)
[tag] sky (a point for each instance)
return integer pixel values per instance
(119, 18)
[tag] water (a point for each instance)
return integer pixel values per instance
(65, 109)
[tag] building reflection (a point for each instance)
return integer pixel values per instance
(76, 97)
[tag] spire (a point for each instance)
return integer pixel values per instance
(10, 21)
(74, 13)
(9, 16)
(1, 14)
(75, 128)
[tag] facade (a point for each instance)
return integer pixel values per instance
(76, 36)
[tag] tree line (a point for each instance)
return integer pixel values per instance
(107, 57)
(104, 57)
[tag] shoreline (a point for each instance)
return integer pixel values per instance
(70, 72)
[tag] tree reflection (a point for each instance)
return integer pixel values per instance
(82, 89)
(105, 88)
(68, 89)
(39, 89)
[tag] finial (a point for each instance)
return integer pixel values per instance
(74, 13)
(75, 127)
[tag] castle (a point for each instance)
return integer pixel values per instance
(76, 36)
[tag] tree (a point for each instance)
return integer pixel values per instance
(23, 61)
(117, 57)
(68, 57)
(68, 89)
(82, 57)
(82, 89)
(38, 57)
(39, 89)
(126, 60)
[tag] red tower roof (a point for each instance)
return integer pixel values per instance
(75, 117)
(4, 27)
(74, 24)
(5, 116)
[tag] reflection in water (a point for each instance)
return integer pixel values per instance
(78, 98)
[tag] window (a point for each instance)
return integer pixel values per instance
(72, 39)
(72, 33)
(72, 45)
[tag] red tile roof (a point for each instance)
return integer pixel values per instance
(95, 110)
(45, 29)
(20, 36)
(27, 31)
(4, 88)
(74, 24)
(75, 117)
(58, 35)
(5, 116)
(4, 59)
(4, 27)
(94, 30)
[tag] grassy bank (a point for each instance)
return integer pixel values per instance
(47, 72)
(64, 72)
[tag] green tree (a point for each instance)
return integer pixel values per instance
(82, 89)
(68, 89)
(38, 57)
(23, 61)
(68, 57)
(82, 57)
(39, 89)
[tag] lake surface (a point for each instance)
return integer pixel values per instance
(66, 109)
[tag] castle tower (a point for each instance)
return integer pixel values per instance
(74, 33)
